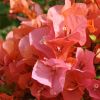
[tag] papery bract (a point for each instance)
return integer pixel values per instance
(74, 88)
(37, 39)
(77, 25)
(68, 3)
(93, 87)
(85, 61)
(11, 47)
(51, 73)
(68, 25)
(21, 31)
(25, 48)
(61, 47)
(76, 9)
(54, 14)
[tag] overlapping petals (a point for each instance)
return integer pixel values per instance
(51, 73)
(53, 56)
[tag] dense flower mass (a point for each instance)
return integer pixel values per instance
(53, 56)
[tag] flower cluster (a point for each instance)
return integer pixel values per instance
(53, 56)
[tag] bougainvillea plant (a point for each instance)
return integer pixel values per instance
(53, 56)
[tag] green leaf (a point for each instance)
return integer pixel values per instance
(3, 8)
(93, 37)
(97, 77)
(5, 89)
(8, 89)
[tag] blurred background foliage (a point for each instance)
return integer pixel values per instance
(7, 23)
